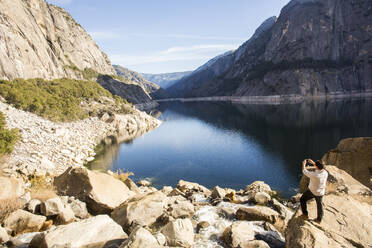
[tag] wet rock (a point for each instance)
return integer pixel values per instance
(228, 213)
(92, 232)
(11, 188)
(100, 191)
(179, 232)
(22, 221)
(238, 234)
(202, 225)
(179, 207)
(141, 210)
(257, 213)
(52, 207)
(262, 198)
(140, 238)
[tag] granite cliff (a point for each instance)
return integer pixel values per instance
(315, 48)
(165, 80)
(38, 39)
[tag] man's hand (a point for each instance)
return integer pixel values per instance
(304, 163)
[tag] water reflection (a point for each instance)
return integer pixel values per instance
(231, 145)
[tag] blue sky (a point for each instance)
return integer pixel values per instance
(157, 36)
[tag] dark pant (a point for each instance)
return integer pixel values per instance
(308, 196)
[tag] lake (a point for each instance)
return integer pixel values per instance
(232, 145)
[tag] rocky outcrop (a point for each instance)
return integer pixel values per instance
(347, 214)
(49, 147)
(354, 156)
(135, 77)
(40, 40)
(314, 49)
(102, 192)
(93, 232)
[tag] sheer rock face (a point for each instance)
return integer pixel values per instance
(41, 40)
(355, 157)
(315, 48)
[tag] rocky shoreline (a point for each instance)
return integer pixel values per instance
(46, 147)
(121, 213)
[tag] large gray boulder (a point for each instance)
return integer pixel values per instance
(101, 192)
(140, 238)
(179, 232)
(93, 232)
(354, 156)
(257, 213)
(52, 207)
(142, 210)
(238, 234)
(21, 221)
(11, 188)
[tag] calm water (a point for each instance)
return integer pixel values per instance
(232, 145)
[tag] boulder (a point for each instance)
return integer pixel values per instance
(285, 214)
(131, 185)
(33, 206)
(353, 156)
(179, 232)
(347, 216)
(92, 232)
(238, 233)
(11, 188)
(179, 207)
(140, 238)
(258, 186)
(257, 213)
(262, 198)
(185, 186)
(21, 221)
(66, 215)
(78, 207)
(218, 192)
(100, 191)
(162, 240)
(144, 183)
(52, 207)
(141, 210)
(22, 240)
(4, 237)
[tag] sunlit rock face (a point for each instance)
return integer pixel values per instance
(315, 48)
(41, 40)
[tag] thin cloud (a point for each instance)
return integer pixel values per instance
(195, 52)
(104, 35)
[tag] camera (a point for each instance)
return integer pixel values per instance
(308, 163)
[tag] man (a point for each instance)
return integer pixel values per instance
(317, 185)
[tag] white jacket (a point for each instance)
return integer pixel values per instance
(318, 180)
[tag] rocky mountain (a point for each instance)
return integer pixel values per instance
(165, 80)
(136, 78)
(42, 40)
(315, 48)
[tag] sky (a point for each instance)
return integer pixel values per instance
(159, 36)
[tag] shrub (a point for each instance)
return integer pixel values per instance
(122, 176)
(7, 137)
(42, 188)
(57, 100)
(8, 206)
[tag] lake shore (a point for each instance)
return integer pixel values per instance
(274, 99)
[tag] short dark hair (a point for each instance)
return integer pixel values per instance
(319, 164)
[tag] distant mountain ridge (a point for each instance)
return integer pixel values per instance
(314, 48)
(165, 80)
(43, 40)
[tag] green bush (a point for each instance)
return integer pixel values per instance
(7, 137)
(57, 100)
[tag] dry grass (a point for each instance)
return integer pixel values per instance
(42, 188)
(122, 176)
(7, 206)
